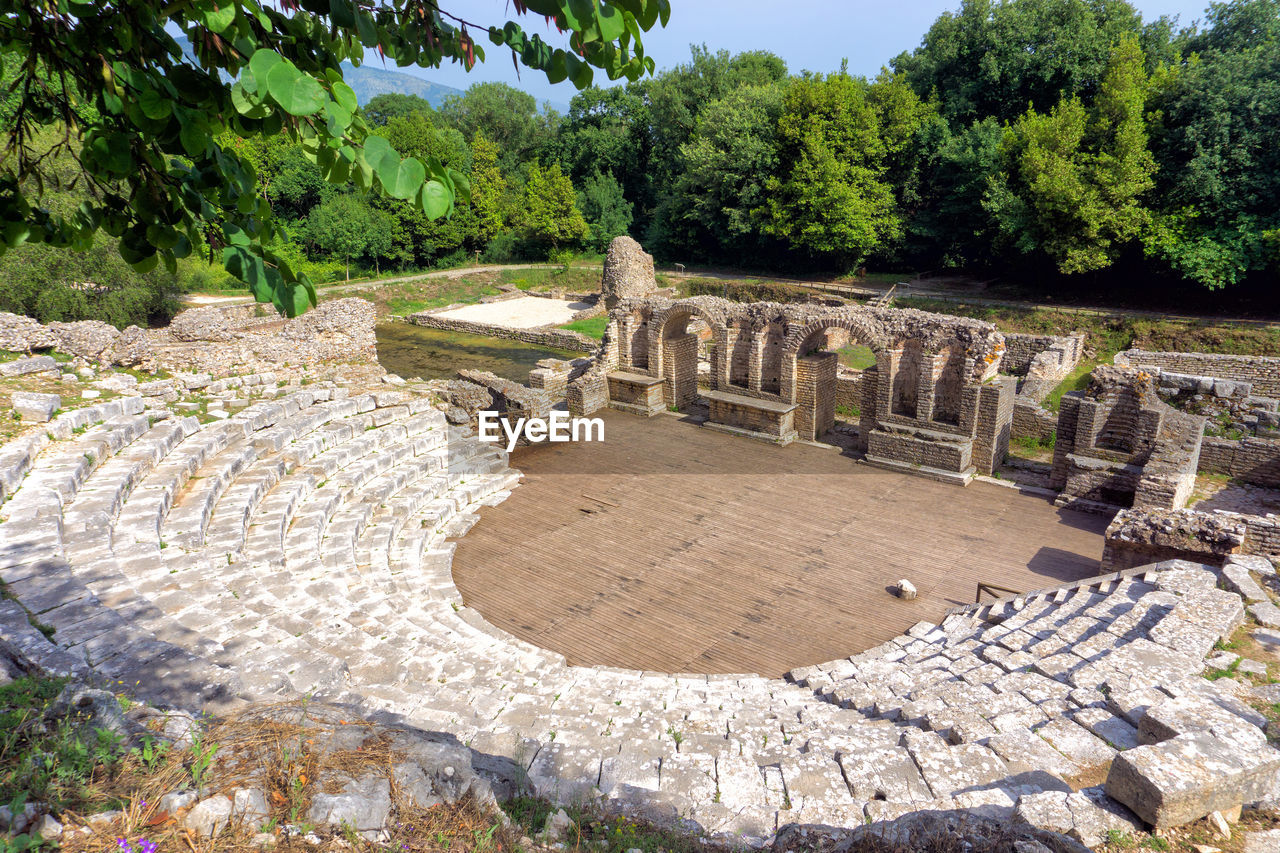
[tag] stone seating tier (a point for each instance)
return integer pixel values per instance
(303, 546)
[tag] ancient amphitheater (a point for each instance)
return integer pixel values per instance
(303, 544)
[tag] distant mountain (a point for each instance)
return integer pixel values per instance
(369, 82)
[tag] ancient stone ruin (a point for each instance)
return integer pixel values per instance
(300, 544)
(628, 272)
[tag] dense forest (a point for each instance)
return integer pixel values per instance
(1058, 140)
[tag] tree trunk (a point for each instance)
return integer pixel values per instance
(348, 259)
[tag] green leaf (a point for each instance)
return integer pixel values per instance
(113, 153)
(297, 93)
(261, 63)
(345, 96)
(404, 180)
(146, 265)
(461, 186)
(195, 138)
(217, 17)
(610, 24)
(250, 269)
(297, 300)
(341, 13)
(155, 105)
(436, 200)
(247, 105)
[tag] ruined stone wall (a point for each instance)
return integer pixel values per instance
(1262, 373)
(1137, 537)
(558, 338)
(1253, 460)
(222, 341)
(1032, 420)
(1169, 475)
(849, 389)
(919, 451)
(1021, 349)
(628, 272)
(588, 393)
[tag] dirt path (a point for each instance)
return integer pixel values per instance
(914, 287)
(357, 286)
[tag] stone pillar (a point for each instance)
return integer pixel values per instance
(680, 370)
(722, 357)
(869, 391)
(887, 363)
(927, 373)
(815, 394)
(756, 366)
(628, 272)
(1065, 443)
(995, 417)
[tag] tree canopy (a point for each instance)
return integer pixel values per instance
(145, 120)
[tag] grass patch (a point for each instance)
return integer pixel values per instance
(410, 297)
(572, 279)
(1077, 380)
(58, 763)
(848, 413)
(856, 357)
(1035, 443)
(592, 327)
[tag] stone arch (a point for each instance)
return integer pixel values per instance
(798, 336)
(810, 369)
(673, 350)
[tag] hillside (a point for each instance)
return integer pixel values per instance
(369, 82)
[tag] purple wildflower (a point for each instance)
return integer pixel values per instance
(147, 846)
(123, 844)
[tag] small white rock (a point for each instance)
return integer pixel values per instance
(906, 590)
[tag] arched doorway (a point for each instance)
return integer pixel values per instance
(678, 345)
(833, 378)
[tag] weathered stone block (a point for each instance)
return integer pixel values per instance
(1188, 777)
(35, 408)
(1077, 815)
(23, 366)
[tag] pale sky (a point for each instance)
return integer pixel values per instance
(812, 35)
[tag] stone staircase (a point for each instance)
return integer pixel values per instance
(301, 547)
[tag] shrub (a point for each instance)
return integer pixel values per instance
(58, 285)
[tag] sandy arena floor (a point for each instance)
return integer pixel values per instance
(527, 312)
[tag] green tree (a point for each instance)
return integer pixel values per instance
(341, 227)
(1216, 137)
(605, 132)
(158, 178)
(488, 192)
(417, 136)
(549, 214)
(719, 206)
(831, 197)
(994, 58)
(383, 108)
(605, 208)
(1076, 176)
(943, 195)
(505, 115)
